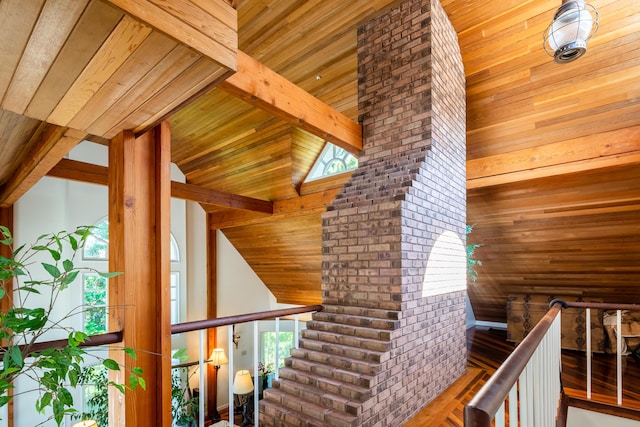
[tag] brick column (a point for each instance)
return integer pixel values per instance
(408, 191)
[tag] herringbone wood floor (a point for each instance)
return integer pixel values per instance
(488, 348)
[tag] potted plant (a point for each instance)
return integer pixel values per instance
(96, 378)
(55, 370)
(184, 406)
(471, 261)
(263, 372)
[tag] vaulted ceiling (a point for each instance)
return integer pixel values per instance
(553, 150)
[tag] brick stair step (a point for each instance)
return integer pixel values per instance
(347, 340)
(341, 362)
(341, 350)
(356, 331)
(276, 415)
(353, 320)
(330, 385)
(317, 396)
(329, 371)
(351, 310)
(382, 306)
(287, 410)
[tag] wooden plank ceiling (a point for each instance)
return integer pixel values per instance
(553, 150)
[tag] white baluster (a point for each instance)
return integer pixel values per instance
(524, 398)
(513, 406)
(588, 320)
(499, 418)
(203, 386)
(256, 375)
(296, 330)
(619, 354)
(231, 373)
(277, 347)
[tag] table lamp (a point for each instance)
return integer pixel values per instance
(242, 385)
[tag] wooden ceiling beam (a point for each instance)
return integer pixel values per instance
(199, 194)
(95, 174)
(260, 86)
(615, 148)
(49, 143)
(282, 209)
(210, 28)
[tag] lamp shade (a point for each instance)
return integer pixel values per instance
(242, 383)
(86, 423)
(218, 357)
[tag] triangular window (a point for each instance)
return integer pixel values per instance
(332, 161)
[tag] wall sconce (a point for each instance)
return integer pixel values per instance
(574, 23)
(236, 337)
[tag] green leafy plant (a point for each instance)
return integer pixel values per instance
(95, 380)
(471, 261)
(184, 407)
(58, 369)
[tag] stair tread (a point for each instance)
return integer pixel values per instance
(328, 371)
(356, 320)
(341, 388)
(366, 343)
(338, 361)
(365, 332)
(379, 313)
(306, 413)
(318, 396)
(343, 350)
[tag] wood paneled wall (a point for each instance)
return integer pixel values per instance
(285, 254)
(575, 235)
(553, 154)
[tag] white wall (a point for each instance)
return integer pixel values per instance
(240, 291)
(54, 204)
(577, 417)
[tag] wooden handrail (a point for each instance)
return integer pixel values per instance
(116, 337)
(602, 305)
(241, 318)
(485, 404)
(92, 341)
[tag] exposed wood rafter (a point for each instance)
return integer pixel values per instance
(282, 209)
(49, 143)
(615, 148)
(210, 27)
(204, 195)
(268, 90)
(95, 174)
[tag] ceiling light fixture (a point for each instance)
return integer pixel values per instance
(574, 23)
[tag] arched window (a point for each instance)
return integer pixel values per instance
(96, 246)
(332, 161)
(95, 290)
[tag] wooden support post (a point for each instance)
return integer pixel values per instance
(139, 230)
(6, 219)
(212, 312)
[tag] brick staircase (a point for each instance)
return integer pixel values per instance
(327, 381)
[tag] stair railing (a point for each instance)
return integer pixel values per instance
(619, 339)
(202, 325)
(526, 389)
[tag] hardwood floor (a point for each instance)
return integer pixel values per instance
(488, 348)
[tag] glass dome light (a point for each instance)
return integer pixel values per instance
(574, 23)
